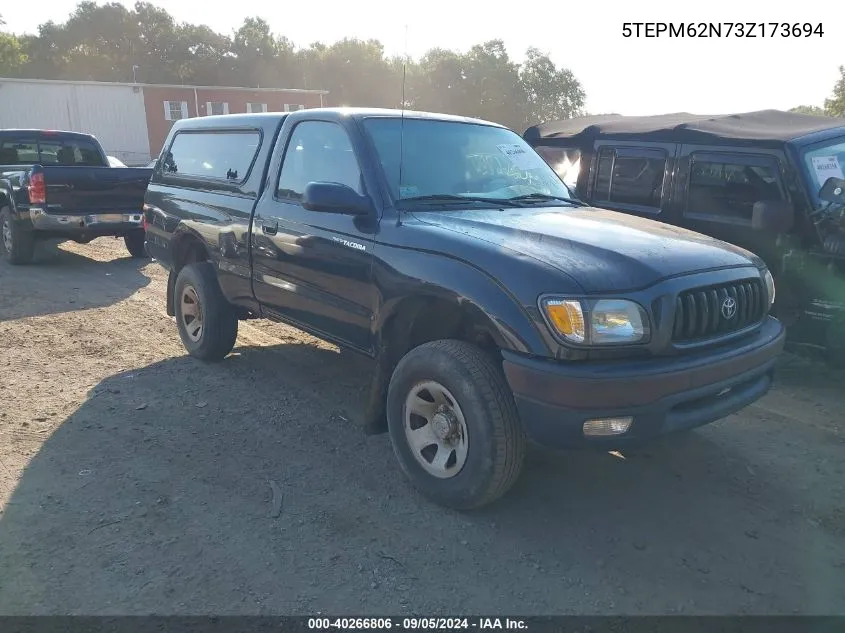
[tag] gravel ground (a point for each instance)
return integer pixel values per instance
(136, 480)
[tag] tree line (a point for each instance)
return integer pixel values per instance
(105, 42)
(835, 106)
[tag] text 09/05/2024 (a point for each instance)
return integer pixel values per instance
(722, 29)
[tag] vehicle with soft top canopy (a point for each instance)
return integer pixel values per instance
(752, 179)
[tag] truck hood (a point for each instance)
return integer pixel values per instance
(602, 250)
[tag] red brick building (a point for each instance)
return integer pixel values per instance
(165, 104)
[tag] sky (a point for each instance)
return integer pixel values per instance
(630, 75)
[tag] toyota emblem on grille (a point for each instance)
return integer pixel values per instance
(729, 308)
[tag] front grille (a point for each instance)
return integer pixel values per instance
(711, 311)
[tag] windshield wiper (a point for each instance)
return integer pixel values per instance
(540, 197)
(448, 198)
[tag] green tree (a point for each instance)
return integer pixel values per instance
(805, 109)
(157, 49)
(835, 106)
(260, 58)
(203, 57)
(98, 42)
(551, 94)
(437, 82)
(355, 72)
(12, 56)
(106, 42)
(493, 89)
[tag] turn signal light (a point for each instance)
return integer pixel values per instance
(567, 317)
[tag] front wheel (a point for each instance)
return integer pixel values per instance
(135, 244)
(17, 246)
(208, 325)
(454, 425)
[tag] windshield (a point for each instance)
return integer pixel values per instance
(824, 161)
(450, 159)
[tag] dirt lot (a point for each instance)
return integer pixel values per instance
(135, 480)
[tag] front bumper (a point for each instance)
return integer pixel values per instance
(85, 225)
(663, 395)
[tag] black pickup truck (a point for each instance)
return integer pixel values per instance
(495, 305)
(56, 184)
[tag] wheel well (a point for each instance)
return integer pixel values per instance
(425, 319)
(187, 249)
(417, 321)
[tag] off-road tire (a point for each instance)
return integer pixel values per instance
(135, 244)
(496, 446)
(219, 320)
(23, 242)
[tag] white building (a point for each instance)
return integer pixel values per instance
(114, 113)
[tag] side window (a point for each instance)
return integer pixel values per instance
(318, 151)
(211, 154)
(564, 160)
(630, 176)
(728, 187)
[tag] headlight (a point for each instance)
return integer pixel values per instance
(597, 322)
(770, 286)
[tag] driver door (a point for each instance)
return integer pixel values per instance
(313, 268)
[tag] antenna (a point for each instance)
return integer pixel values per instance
(402, 120)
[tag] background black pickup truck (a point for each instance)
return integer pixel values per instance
(60, 185)
(496, 306)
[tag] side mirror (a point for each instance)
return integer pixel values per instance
(773, 216)
(332, 197)
(833, 190)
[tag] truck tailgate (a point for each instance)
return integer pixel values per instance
(82, 190)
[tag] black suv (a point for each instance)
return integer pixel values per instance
(712, 174)
(496, 307)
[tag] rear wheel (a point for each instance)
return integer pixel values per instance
(17, 246)
(207, 322)
(135, 244)
(453, 424)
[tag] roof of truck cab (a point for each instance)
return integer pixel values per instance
(767, 126)
(42, 132)
(263, 118)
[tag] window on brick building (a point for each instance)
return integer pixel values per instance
(175, 110)
(216, 107)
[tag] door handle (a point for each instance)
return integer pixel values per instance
(269, 228)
